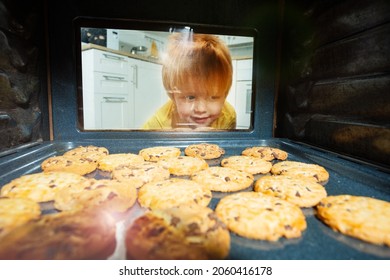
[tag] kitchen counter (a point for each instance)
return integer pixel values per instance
(89, 46)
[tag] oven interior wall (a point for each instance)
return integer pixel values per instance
(23, 77)
(335, 86)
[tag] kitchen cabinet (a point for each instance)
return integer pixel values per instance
(106, 100)
(119, 92)
(243, 104)
(147, 89)
(112, 111)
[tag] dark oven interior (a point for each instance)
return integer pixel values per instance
(322, 94)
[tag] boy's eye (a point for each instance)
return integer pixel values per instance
(215, 97)
(190, 97)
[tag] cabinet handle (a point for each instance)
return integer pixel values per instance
(115, 100)
(135, 75)
(110, 56)
(248, 101)
(114, 78)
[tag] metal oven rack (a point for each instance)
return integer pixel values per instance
(318, 240)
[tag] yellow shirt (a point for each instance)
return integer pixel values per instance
(162, 119)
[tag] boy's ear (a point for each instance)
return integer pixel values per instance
(170, 95)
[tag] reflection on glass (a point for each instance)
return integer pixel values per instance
(174, 79)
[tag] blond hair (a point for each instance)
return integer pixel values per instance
(201, 56)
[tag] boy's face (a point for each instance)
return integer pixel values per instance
(197, 107)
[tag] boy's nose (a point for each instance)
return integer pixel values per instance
(200, 106)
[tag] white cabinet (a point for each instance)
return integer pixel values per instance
(106, 100)
(240, 95)
(119, 92)
(112, 111)
(243, 103)
(147, 88)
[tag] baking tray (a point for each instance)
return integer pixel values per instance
(318, 241)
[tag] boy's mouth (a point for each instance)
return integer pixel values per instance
(197, 120)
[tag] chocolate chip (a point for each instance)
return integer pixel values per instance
(212, 216)
(194, 229)
(216, 226)
(66, 228)
(175, 221)
(111, 195)
(155, 231)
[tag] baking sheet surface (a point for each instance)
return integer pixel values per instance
(317, 242)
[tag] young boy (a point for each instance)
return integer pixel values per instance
(197, 75)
